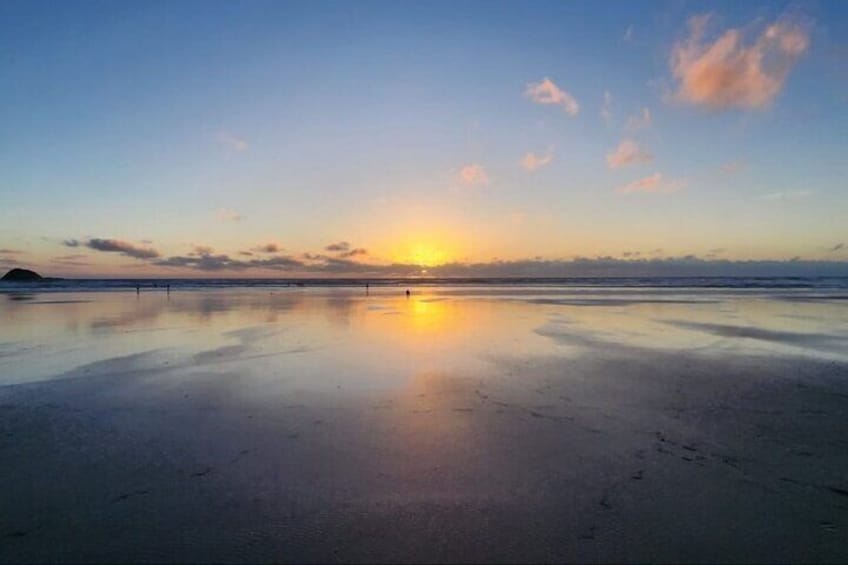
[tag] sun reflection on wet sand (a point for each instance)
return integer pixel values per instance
(344, 330)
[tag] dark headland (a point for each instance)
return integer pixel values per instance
(22, 275)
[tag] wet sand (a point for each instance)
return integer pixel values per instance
(328, 426)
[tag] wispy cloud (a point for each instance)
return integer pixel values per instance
(71, 243)
(628, 153)
(628, 34)
(838, 247)
(341, 248)
(532, 162)
(653, 183)
(786, 195)
(546, 92)
(642, 120)
(270, 247)
(733, 167)
(473, 175)
(337, 247)
(122, 247)
(229, 215)
(202, 250)
(606, 108)
(232, 141)
(11, 251)
(75, 260)
(727, 73)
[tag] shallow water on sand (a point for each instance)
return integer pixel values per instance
(322, 337)
(458, 424)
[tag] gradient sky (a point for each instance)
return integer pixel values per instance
(200, 138)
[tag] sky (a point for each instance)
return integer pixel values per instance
(277, 139)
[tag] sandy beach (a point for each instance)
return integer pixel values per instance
(458, 425)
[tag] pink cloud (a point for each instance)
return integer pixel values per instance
(727, 73)
(654, 183)
(532, 162)
(473, 174)
(628, 153)
(546, 92)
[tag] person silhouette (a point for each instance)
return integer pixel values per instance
(407, 293)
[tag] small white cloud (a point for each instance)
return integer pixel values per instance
(473, 175)
(229, 215)
(642, 120)
(546, 92)
(628, 153)
(628, 34)
(232, 141)
(532, 162)
(654, 183)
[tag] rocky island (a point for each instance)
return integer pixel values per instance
(21, 275)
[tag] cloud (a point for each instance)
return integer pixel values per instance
(202, 250)
(11, 251)
(654, 183)
(122, 247)
(267, 248)
(223, 262)
(340, 246)
(786, 195)
(71, 260)
(473, 174)
(605, 266)
(355, 252)
(229, 215)
(641, 120)
(71, 243)
(733, 167)
(532, 162)
(628, 153)
(232, 141)
(713, 253)
(606, 108)
(727, 73)
(628, 34)
(546, 92)
(837, 247)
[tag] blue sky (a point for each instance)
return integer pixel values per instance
(424, 133)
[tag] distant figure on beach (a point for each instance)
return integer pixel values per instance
(137, 288)
(407, 293)
(367, 286)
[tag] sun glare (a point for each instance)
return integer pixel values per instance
(425, 256)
